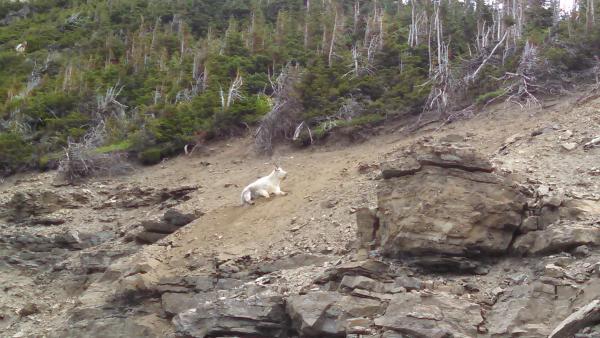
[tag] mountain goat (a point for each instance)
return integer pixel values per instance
(264, 186)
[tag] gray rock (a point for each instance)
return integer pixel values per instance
(569, 145)
(34, 203)
(148, 237)
(361, 282)
(260, 317)
(28, 310)
(586, 316)
(186, 284)
(178, 218)
(529, 224)
(372, 268)
(423, 316)
(74, 240)
(291, 262)
(406, 165)
(367, 225)
(581, 251)
(108, 327)
(325, 313)
(447, 264)
(548, 215)
(559, 237)
(174, 303)
(409, 283)
(159, 226)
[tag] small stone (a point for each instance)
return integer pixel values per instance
(328, 204)
(470, 287)
(28, 309)
(357, 325)
(518, 278)
(554, 271)
(569, 146)
(543, 190)
(529, 224)
(544, 288)
(581, 251)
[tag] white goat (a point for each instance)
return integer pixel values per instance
(264, 186)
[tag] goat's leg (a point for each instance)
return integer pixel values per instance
(279, 192)
(263, 193)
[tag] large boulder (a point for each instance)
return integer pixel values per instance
(445, 199)
(324, 313)
(427, 316)
(258, 317)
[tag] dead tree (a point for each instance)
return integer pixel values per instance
(284, 118)
(362, 65)
(108, 105)
(522, 85)
(81, 159)
(473, 77)
(233, 93)
(440, 76)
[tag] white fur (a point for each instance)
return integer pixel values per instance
(264, 186)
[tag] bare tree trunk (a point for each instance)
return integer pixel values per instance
(412, 34)
(306, 17)
(252, 31)
(381, 30)
(485, 61)
(356, 16)
(324, 40)
(332, 42)
(589, 16)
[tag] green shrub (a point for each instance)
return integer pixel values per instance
(15, 153)
(124, 145)
(150, 156)
(361, 120)
(48, 161)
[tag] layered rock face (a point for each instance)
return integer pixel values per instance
(454, 248)
(446, 199)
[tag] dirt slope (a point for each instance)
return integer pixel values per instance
(324, 186)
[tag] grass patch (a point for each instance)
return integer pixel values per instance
(487, 97)
(111, 148)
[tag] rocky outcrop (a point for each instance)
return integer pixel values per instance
(588, 315)
(171, 221)
(30, 206)
(325, 313)
(562, 236)
(259, 317)
(445, 199)
(424, 316)
(136, 197)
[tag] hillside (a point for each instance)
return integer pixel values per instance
(144, 78)
(442, 162)
(74, 264)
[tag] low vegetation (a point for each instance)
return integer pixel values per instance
(155, 73)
